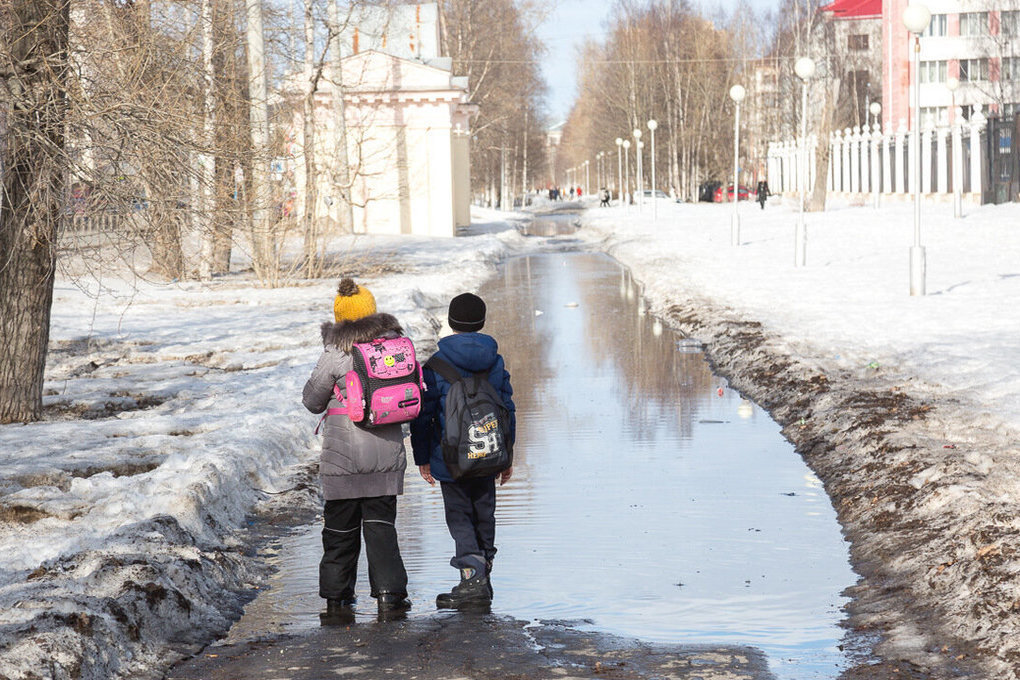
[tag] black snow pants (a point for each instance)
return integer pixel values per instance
(345, 520)
(471, 518)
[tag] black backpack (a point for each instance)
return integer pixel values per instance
(476, 442)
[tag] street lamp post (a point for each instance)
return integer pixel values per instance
(638, 177)
(804, 68)
(587, 179)
(619, 170)
(652, 124)
(737, 94)
(876, 176)
(626, 167)
(916, 18)
(952, 84)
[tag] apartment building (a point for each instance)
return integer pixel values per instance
(976, 42)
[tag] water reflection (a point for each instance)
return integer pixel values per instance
(648, 498)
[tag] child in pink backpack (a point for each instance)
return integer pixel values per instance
(361, 469)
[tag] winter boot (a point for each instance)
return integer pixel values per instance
(393, 606)
(338, 613)
(473, 590)
(393, 602)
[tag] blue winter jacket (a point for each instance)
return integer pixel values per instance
(470, 353)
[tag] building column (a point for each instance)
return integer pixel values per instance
(855, 160)
(887, 175)
(876, 161)
(977, 121)
(901, 172)
(942, 160)
(926, 139)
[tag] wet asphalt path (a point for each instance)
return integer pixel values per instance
(465, 645)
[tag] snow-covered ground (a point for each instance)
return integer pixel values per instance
(173, 408)
(850, 305)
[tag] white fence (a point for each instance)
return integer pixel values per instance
(867, 161)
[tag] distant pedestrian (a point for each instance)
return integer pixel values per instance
(361, 469)
(605, 198)
(470, 504)
(763, 192)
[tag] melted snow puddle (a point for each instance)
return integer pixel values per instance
(649, 500)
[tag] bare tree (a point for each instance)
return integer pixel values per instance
(34, 38)
(492, 42)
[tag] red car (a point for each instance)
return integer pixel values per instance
(743, 193)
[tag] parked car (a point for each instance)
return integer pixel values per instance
(706, 191)
(743, 193)
(659, 193)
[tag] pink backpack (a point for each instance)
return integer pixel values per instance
(385, 385)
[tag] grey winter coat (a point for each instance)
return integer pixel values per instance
(356, 462)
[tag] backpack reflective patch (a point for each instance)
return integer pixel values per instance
(475, 441)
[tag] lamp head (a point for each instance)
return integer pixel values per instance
(626, 144)
(804, 68)
(875, 108)
(652, 124)
(619, 142)
(952, 83)
(737, 93)
(916, 17)
(637, 133)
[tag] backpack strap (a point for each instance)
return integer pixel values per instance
(335, 411)
(444, 368)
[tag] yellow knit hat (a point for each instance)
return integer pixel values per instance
(352, 301)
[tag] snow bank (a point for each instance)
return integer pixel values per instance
(172, 411)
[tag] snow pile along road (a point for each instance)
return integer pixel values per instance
(172, 413)
(908, 408)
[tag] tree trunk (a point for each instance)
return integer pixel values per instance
(341, 170)
(820, 189)
(33, 61)
(208, 178)
(263, 249)
(232, 128)
(309, 217)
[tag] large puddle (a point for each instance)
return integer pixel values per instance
(649, 500)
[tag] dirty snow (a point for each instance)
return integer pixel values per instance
(172, 411)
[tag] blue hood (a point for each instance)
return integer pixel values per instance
(470, 351)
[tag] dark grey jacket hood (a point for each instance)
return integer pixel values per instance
(344, 334)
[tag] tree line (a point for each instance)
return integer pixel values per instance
(143, 133)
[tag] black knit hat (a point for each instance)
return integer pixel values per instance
(467, 313)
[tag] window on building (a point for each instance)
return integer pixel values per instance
(934, 115)
(1009, 69)
(974, 23)
(1009, 22)
(938, 26)
(857, 41)
(933, 71)
(1011, 109)
(973, 70)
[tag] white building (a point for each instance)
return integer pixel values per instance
(408, 126)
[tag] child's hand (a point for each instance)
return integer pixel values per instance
(505, 475)
(426, 473)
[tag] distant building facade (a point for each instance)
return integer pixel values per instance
(407, 119)
(975, 41)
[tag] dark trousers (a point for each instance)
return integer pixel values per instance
(471, 518)
(345, 520)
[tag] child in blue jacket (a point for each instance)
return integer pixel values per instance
(470, 504)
